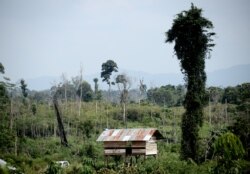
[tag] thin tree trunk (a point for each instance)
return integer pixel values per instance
(209, 112)
(71, 105)
(80, 103)
(65, 96)
(96, 107)
(23, 121)
(80, 100)
(107, 122)
(11, 114)
(124, 114)
(54, 128)
(62, 134)
(226, 112)
(16, 145)
(175, 129)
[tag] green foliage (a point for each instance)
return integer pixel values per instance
(87, 170)
(71, 92)
(241, 128)
(97, 92)
(4, 170)
(106, 171)
(215, 94)
(33, 109)
(86, 127)
(168, 95)
(24, 88)
(228, 149)
(90, 150)
(38, 140)
(135, 114)
(86, 155)
(107, 69)
(6, 135)
(231, 95)
(53, 168)
(192, 44)
(87, 92)
(6, 139)
(4, 101)
(74, 168)
(244, 90)
(1, 68)
(237, 95)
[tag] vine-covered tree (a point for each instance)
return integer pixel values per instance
(193, 42)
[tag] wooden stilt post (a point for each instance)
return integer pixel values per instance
(107, 160)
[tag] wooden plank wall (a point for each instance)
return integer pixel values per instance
(124, 144)
(138, 148)
(115, 144)
(151, 148)
(115, 151)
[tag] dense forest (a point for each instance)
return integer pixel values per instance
(40, 128)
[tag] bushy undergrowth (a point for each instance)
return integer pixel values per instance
(38, 151)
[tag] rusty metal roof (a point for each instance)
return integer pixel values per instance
(140, 134)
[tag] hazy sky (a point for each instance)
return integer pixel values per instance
(51, 37)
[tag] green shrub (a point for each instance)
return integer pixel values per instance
(53, 168)
(74, 168)
(87, 170)
(86, 127)
(4, 170)
(134, 114)
(228, 149)
(106, 171)
(241, 128)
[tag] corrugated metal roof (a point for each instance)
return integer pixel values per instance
(140, 134)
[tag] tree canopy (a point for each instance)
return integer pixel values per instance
(1, 68)
(107, 69)
(24, 88)
(87, 92)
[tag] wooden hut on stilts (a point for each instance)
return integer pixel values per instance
(130, 142)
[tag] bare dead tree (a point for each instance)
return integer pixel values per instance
(143, 90)
(80, 97)
(123, 83)
(65, 84)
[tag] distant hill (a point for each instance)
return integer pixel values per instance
(230, 76)
(223, 77)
